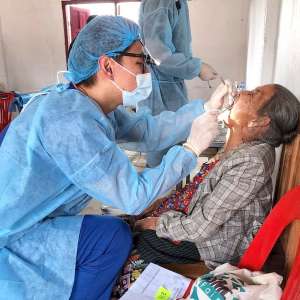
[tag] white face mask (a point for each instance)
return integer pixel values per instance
(141, 92)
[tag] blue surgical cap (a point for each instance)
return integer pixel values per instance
(104, 35)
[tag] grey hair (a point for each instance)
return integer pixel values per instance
(284, 111)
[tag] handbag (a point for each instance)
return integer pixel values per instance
(227, 282)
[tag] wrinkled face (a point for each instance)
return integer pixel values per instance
(135, 65)
(247, 104)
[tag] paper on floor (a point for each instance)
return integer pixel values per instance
(155, 279)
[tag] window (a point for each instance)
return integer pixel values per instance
(77, 12)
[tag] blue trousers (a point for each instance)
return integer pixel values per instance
(103, 247)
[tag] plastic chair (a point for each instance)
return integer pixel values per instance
(285, 212)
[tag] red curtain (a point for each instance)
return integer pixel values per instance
(78, 17)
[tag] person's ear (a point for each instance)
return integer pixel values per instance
(261, 121)
(105, 66)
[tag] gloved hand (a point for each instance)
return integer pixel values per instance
(207, 72)
(217, 99)
(204, 130)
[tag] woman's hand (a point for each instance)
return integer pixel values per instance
(147, 223)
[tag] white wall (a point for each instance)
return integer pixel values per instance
(274, 47)
(263, 38)
(287, 67)
(220, 38)
(274, 44)
(33, 42)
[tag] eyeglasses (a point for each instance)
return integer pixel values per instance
(147, 59)
(232, 100)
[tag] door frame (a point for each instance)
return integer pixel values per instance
(64, 3)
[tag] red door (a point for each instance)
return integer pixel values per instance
(78, 17)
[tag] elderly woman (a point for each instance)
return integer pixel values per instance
(230, 204)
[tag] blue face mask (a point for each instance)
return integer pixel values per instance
(141, 92)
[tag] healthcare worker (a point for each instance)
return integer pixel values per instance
(166, 34)
(62, 150)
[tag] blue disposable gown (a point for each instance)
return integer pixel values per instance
(57, 154)
(166, 34)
